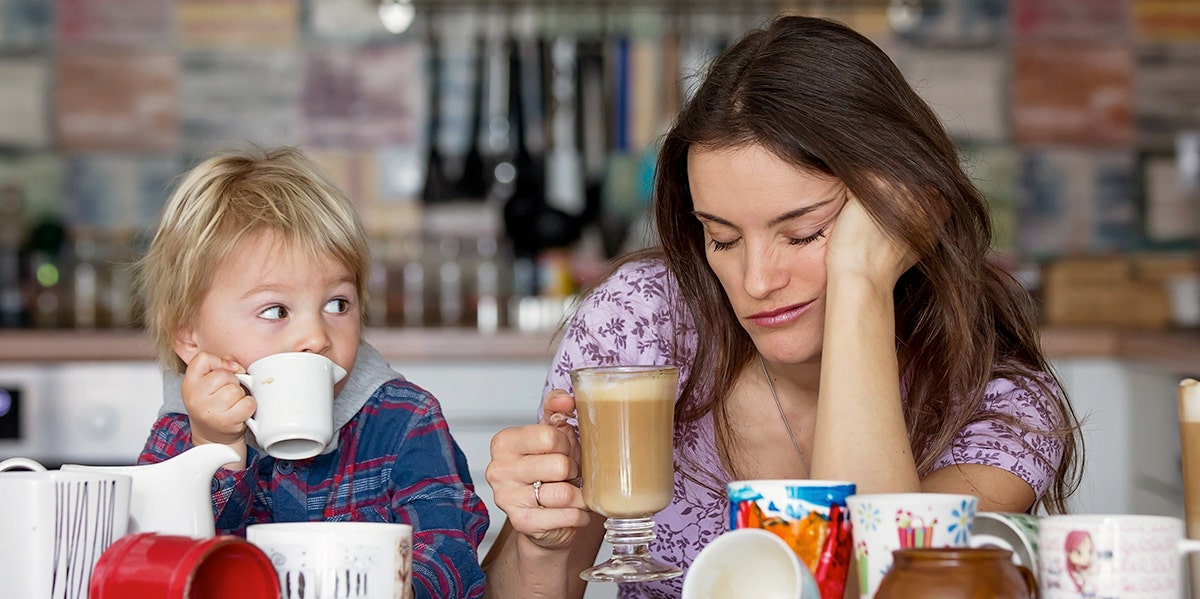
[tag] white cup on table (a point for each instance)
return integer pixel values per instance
(749, 562)
(338, 560)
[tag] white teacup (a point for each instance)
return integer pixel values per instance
(751, 563)
(294, 393)
(1109, 556)
(342, 560)
(885, 522)
(54, 526)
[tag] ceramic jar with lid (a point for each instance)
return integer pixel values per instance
(956, 573)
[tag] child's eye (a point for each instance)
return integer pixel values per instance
(339, 305)
(274, 313)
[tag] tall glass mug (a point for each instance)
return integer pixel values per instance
(625, 418)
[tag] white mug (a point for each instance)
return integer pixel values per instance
(294, 393)
(749, 562)
(1109, 556)
(884, 522)
(1013, 531)
(54, 526)
(342, 560)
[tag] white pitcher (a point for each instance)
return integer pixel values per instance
(173, 497)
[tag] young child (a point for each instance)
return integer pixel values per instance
(258, 254)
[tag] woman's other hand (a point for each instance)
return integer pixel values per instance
(547, 452)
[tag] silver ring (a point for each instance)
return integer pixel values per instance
(537, 490)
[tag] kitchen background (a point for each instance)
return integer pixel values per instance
(1080, 119)
(501, 150)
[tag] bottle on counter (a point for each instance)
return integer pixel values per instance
(12, 208)
(46, 287)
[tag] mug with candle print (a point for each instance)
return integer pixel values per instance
(882, 523)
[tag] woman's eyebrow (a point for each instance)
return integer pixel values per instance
(786, 216)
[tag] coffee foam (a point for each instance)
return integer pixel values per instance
(600, 389)
(1189, 400)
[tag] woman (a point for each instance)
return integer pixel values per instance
(822, 281)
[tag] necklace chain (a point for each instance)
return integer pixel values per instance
(782, 416)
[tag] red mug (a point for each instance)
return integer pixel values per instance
(151, 565)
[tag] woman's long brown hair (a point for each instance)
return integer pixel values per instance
(828, 100)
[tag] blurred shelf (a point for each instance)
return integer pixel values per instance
(672, 6)
(1176, 350)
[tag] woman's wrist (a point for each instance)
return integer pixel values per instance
(543, 570)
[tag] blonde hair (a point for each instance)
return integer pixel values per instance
(226, 199)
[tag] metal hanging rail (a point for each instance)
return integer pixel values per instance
(671, 6)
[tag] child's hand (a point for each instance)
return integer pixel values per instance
(216, 402)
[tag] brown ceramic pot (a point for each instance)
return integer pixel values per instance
(956, 573)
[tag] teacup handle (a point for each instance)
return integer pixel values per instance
(21, 464)
(1189, 546)
(248, 381)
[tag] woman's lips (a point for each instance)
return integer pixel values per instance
(780, 317)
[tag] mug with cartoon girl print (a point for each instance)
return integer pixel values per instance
(1109, 556)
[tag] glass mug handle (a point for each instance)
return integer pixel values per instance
(21, 464)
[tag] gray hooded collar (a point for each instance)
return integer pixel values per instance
(370, 371)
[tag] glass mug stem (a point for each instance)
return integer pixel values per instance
(631, 560)
(629, 533)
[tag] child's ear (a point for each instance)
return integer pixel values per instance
(185, 344)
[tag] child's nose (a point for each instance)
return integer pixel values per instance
(313, 338)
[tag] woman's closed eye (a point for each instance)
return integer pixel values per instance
(718, 246)
(809, 239)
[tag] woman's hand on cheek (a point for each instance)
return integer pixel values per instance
(859, 247)
(216, 402)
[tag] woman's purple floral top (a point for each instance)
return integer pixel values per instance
(628, 320)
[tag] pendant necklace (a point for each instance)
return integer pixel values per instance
(779, 406)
